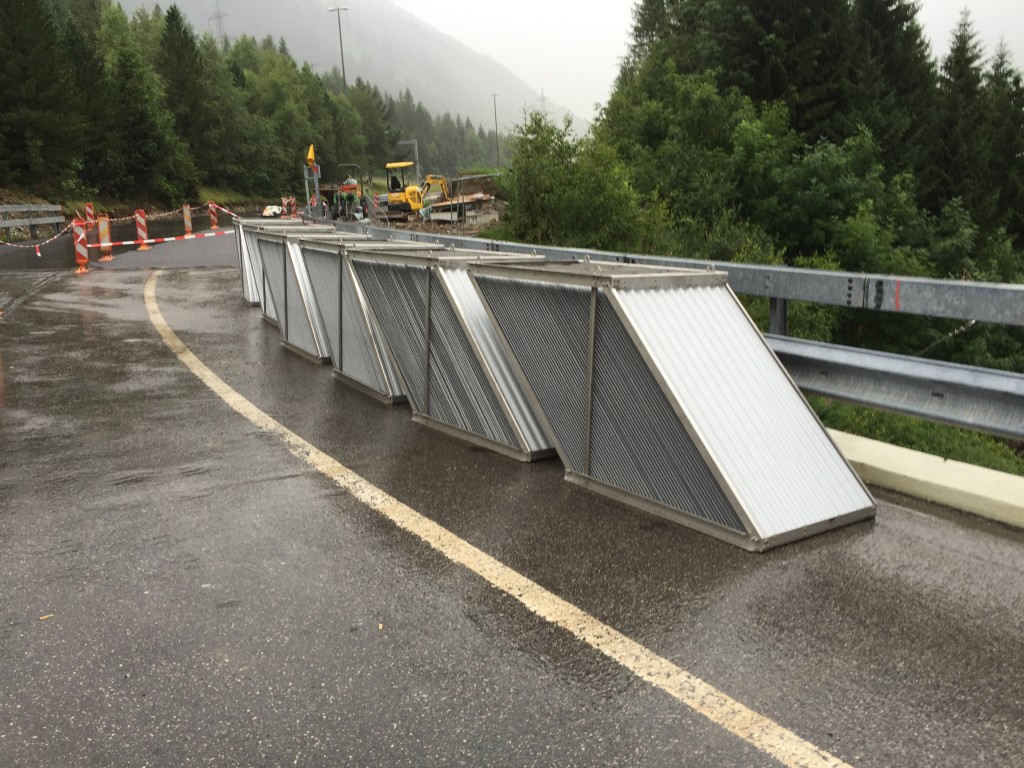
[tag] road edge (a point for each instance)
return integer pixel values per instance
(983, 492)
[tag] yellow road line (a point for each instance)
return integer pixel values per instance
(700, 696)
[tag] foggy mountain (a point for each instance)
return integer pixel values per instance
(383, 45)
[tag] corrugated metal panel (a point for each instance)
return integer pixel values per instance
(395, 386)
(324, 269)
(360, 355)
(637, 442)
(272, 258)
(459, 392)
(397, 294)
(767, 443)
(252, 250)
(297, 331)
(548, 328)
(250, 291)
(485, 336)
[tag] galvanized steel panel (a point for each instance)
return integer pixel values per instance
(250, 286)
(361, 355)
(637, 442)
(459, 392)
(547, 328)
(766, 442)
(317, 348)
(398, 297)
(324, 270)
(296, 331)
(459, 286)
(249, 259)
(272, 258)
(252, 250)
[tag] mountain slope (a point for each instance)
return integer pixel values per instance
(384, 45)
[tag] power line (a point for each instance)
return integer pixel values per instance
(219, 17)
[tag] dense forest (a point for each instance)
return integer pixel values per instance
(97, 104)
(812, 134)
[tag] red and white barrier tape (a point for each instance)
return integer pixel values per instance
(67, 229)
(168, 214)
(153, 240)
(37, 246)
(232, 214)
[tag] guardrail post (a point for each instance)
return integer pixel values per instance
(186, 214)
(778, 320)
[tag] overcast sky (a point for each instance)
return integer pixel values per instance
(571, 49)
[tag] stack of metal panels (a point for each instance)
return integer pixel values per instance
(661, 392)
(249, 264)
(453, 367)
(356, 344)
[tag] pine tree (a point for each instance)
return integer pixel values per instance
(191, 96)
(961, 144)
(1004, 97)
(38, 125)
(153, 159)
(894, 81)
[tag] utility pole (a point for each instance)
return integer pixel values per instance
(341, 43)
(219, 18)
(497, 150)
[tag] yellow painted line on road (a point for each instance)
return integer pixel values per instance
(700, 696)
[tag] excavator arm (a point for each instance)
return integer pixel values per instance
(441, 181)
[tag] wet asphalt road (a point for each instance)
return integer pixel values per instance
(214, 601)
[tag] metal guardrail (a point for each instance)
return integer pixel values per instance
(8, 222)
(974, 398)
(962, 395)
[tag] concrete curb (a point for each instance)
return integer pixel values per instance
(983, 492)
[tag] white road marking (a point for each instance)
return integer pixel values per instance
(702, 697)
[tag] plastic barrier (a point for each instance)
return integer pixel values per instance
(106, 249)
(141, 230)
(81, 246)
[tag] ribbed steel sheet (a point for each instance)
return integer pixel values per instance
(459, 392)
(555, 319)
(636, 441)
(249, 264)
(304, 332)
(398, 299)
(780, 462)
(354, 343)
(447, 351)
(661, 392)
(272, 257)
(484, 336)
(324, 269)
(289, 301)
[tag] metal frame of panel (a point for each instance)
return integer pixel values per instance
(302, 330)
(612, 290)
(447, 352)
(249, 265)
(356, 346)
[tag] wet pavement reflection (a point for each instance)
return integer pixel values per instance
(211, 599)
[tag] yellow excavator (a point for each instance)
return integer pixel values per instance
(404, 199)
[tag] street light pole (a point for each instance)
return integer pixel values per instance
(341, 43)
(497, 151)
